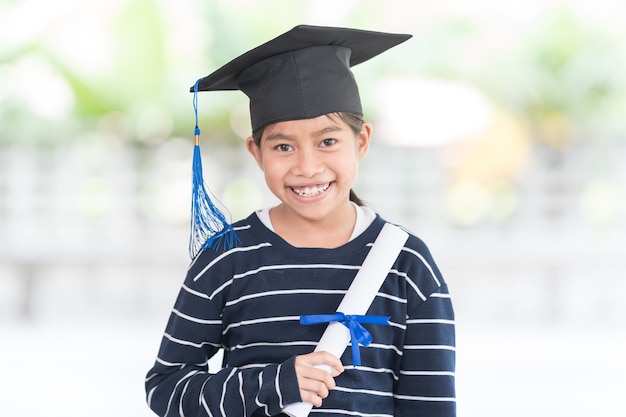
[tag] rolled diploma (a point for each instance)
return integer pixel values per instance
(358, 299)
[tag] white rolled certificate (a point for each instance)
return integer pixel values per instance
(358, 298)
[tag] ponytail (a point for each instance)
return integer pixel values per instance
(355, 199)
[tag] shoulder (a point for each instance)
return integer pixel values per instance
(414, 246)
(416, 264)
(222, 262)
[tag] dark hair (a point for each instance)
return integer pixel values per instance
(353, 120)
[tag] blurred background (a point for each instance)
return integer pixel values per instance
(499, 138)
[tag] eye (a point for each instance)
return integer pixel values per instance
(328, 142)
(283, 147)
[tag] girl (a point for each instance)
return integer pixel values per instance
(298, 259)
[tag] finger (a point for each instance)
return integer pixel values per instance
(311, 398)
(319, 359)
(310, 377)
(332, 361)
(319, 388)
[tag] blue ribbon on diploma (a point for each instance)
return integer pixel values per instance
(358, 334)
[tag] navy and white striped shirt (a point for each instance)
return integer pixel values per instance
(248, 301)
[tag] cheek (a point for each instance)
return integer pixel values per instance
(272, 173)
(349, 162)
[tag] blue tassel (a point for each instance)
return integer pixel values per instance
(209, 225)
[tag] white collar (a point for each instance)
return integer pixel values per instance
(364, 217)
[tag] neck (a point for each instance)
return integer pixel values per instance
(329, 232)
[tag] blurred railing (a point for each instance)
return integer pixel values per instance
(105, 227)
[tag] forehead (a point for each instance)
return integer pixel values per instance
(317, 125)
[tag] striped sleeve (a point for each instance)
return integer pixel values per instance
(426, 384)
(180, 383)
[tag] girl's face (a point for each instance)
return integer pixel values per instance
(311, 165)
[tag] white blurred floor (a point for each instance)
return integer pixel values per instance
(95, 367)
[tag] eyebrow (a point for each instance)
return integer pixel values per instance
(282, 136)
(277, 136)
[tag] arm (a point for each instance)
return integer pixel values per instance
(426, 381)
(180, 382)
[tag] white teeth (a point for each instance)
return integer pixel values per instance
(311, 191)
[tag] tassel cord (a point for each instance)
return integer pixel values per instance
(209, 225)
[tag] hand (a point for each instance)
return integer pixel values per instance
(315, 383)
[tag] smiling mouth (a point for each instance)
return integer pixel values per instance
(311, 191)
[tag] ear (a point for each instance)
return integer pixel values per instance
(255, 151)
(363, 140)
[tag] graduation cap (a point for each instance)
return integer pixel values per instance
(301, 74)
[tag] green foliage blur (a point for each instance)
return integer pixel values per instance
(64, 66)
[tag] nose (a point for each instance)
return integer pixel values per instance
(308, 163)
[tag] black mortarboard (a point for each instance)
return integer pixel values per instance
(301, 74)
